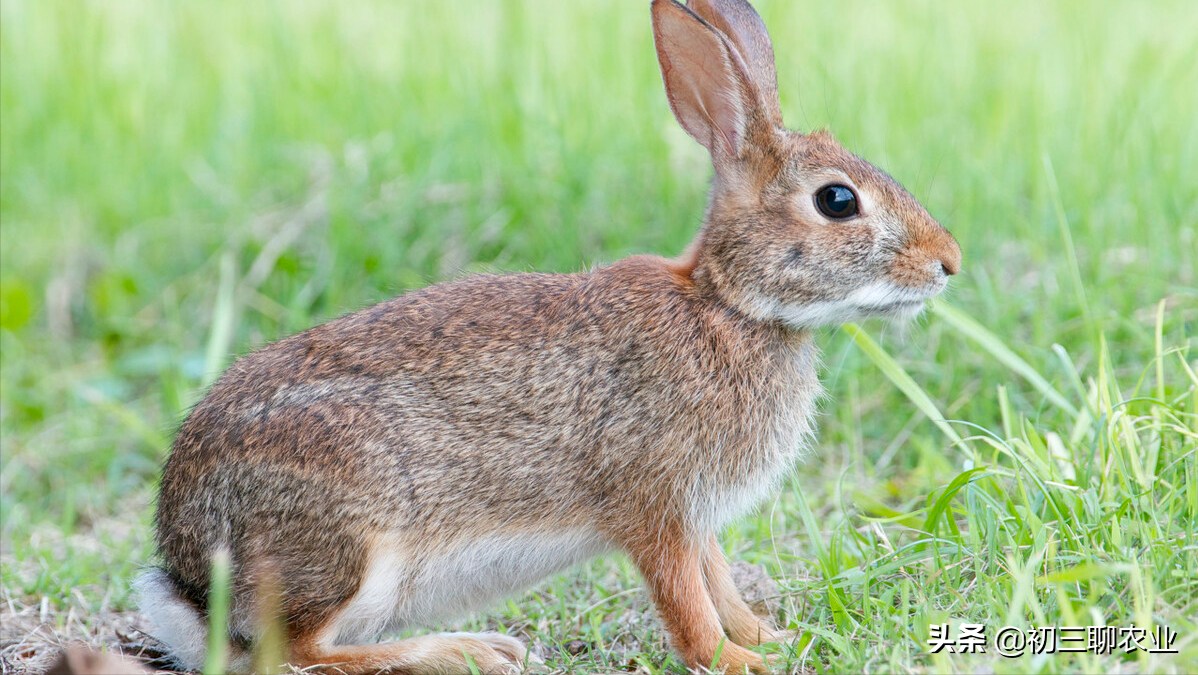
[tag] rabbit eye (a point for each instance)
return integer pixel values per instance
(836, 202)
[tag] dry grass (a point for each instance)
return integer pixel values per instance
(33, 638)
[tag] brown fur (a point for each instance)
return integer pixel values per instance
(640, 406)
(674, 573)
(741, 624)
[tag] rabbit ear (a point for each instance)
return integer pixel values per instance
(707, 82)
(743, 27)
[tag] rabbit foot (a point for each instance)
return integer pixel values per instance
(442, 654)
(765, 634)
(493, 653)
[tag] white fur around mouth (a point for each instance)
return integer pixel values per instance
(884, 294)
(893, 307)
(877, 299)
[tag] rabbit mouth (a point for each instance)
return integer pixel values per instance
(890, 302)
(886, 297)
(900, 309)
(878, 299)
(898, 306)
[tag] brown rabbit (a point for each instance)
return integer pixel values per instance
(420, 458)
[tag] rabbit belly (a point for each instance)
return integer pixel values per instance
(407, 584)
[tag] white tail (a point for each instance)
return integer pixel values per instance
(173, 620)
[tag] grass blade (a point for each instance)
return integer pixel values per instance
(999, 350)
(946, 497)
(1158, 343)
(221, 335)
(1079, 286)
(895, 373)
(217, 660)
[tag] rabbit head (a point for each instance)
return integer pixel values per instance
(798, 230)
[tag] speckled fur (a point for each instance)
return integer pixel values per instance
(371, 463)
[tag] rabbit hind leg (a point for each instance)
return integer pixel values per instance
(444, 653)
(376, 609)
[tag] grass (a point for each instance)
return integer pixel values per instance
(184, 182)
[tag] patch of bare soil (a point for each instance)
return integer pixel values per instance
(33, 641)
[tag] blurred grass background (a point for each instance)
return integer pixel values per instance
(180, 182)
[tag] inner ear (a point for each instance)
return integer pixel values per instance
(743, 27)
(706, 80)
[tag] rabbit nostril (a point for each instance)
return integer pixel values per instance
(950, 256)
(951, 264)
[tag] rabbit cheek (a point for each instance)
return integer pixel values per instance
(855, 250)
(839, 262)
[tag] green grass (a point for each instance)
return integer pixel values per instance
(180, 182)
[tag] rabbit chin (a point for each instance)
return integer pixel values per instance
(879, 299)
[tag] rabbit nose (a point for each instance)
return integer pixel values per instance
(949, 254)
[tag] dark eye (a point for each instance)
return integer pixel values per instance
(836, 201)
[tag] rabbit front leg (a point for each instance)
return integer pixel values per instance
(738, 620)
(673, 571)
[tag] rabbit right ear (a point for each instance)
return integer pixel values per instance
(707, 82)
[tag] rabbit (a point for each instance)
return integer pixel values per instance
(421, 458)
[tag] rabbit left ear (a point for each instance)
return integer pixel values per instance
(707, 82)
(743, 27)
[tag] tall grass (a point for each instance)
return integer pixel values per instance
(1089, 524)
(180, 182)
